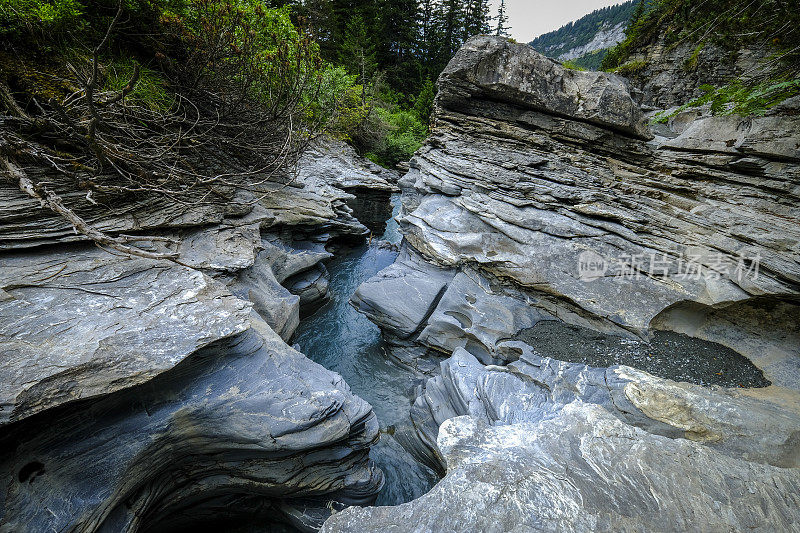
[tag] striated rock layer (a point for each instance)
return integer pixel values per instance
(547, 446)
(543, 194)
(140, 395)
(539, 184)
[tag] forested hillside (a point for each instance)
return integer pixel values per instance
(574, 40)
(396, 50)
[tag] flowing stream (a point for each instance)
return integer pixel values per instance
(341, 339)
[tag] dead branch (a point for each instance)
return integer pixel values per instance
(7, 99)
(236, 121)
(53, 201)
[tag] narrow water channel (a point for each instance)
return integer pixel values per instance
(343, 340)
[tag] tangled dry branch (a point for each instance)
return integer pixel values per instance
(236, 120)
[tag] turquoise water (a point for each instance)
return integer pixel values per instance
(343, 340)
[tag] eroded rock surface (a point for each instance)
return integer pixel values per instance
(542, 194)
(563, 208)
(140, 395)
(585, 471)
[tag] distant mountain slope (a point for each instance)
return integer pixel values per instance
(586, 39)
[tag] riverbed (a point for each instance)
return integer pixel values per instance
(343, 340)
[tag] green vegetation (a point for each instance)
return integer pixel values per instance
(151, 89)
(373, 62)
(691, 62)
(731, 25)
(631, 67)
(590, 61)
(572, 65)
(582, 31)
(739, 99)
(20, 16)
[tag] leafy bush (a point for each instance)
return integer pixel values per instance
(629, 68)
(572, 65)
(39, 16)
(400, 133)
(423, 104)
(339, 103)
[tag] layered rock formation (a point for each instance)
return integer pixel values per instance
(150, 395)
(536, 446)
(666, 75)
(543, 194)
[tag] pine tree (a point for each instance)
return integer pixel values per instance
(477, 19)
(637, 15)
(450, 19)
(398, 54)
(502, 20)
(357, 54)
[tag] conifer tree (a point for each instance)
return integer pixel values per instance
(502, 20)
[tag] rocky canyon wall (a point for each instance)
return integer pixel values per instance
(543, 196)
(142, 395)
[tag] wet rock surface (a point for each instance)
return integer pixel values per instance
(143, 395)
(542, 198)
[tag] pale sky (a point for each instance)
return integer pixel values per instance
(531, 18)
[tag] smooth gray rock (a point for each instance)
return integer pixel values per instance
(244, 416)
(585, 470)
(534, 388)
(400, 298)
(82, 323)
(338, 164)
(149, 395)
(492, 68)
(773, 137)
(307, 195)
(542, 445)
(525, 191)
(541, 208)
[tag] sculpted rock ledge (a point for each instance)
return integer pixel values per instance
(542, 195)
(140, 395)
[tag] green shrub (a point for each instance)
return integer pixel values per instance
(738, 98)
(402, 134)
(340, 103)
(423, 104)
(39, 16)
(572, 65)
(631, 67)
(691, 62)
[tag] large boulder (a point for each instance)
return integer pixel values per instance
(487, 68)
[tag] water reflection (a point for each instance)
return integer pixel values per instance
(343, 340)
